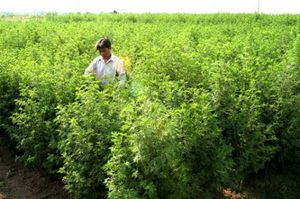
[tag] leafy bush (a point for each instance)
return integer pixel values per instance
(210, 99)
(85, 132)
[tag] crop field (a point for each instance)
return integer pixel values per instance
(209, 100)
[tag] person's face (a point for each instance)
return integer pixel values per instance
(105, 52)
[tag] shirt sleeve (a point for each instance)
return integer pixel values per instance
(92, 67)
(121, 72)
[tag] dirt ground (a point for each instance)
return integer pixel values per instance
(19, 182)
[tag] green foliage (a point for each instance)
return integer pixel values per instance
(9, 82)
(210, 99)
(289, 115)
(168, 151)
(85, 132)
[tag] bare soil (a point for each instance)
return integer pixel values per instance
(19, 182)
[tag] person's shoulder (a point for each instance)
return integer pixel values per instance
(116, 59)
(96, 59)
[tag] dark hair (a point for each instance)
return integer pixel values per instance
(103, 43)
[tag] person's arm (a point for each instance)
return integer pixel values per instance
(121, 73)
(92, 67)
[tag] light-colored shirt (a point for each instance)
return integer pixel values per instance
(107, 71)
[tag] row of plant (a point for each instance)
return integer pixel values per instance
(209, 100)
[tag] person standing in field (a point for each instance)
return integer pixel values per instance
(107, 66)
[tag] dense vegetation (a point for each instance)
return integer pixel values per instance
(209, 100)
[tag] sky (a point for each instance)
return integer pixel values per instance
(152, 6)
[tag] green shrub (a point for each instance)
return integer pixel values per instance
(85, 128)
(168, 153)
